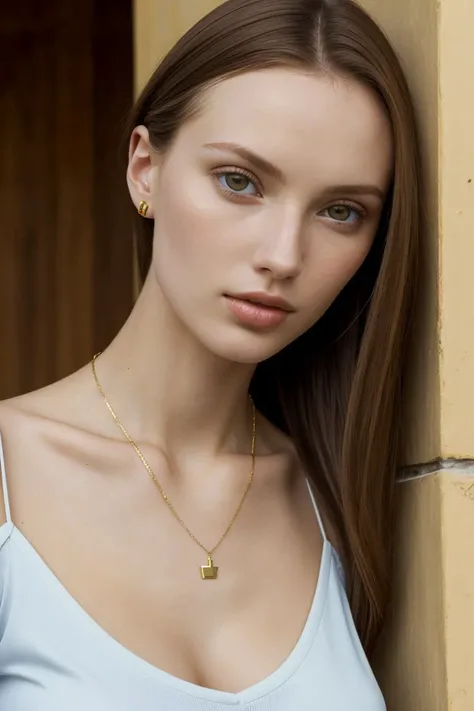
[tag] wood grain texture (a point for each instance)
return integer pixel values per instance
(66, 267)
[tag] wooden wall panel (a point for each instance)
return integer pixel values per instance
(74, 255)
(113, 93)
(66, 268)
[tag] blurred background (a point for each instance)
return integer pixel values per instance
(66, 253)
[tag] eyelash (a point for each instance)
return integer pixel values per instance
(229, 170)
(240, 171)
(358, 209)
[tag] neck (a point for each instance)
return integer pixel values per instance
(168, 389)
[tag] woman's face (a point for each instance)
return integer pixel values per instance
(266, 205)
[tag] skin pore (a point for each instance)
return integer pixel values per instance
(276, 186)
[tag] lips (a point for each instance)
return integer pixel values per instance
(263, 299)
(258, 311)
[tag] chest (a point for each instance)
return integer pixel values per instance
(135, 572)
(52, 652)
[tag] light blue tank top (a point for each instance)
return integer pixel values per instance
(55, 657)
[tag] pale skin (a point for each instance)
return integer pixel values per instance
(178, 374)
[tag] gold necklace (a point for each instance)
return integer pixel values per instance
(208, 571)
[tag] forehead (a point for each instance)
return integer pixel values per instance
(305, 122)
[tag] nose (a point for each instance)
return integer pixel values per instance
(279, 252)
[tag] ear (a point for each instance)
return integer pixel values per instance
(140, 171)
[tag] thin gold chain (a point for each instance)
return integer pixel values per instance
(209, 551)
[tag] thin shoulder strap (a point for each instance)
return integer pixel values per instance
(316, 509)
(6, 499)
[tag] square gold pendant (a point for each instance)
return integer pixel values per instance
(209, 571)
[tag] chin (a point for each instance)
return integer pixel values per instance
(245, 346)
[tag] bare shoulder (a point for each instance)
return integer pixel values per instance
(15, 428)
(22, 416)
(30, 425)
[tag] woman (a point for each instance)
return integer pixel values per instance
(173, 510)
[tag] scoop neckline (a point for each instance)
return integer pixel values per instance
(116, 649)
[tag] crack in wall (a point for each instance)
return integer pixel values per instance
(419, 471)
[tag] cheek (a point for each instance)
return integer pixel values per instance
(331, 268)
(187, 232)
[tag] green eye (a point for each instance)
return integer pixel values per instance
(340, 212)
(343, 213)
(236, 181)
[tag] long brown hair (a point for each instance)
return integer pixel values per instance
(336, 389)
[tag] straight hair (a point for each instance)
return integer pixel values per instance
(336, 390)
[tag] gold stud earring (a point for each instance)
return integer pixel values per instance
(143, 208)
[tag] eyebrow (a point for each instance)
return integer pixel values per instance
(355, 190)
(274, 172)
(250, 157)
